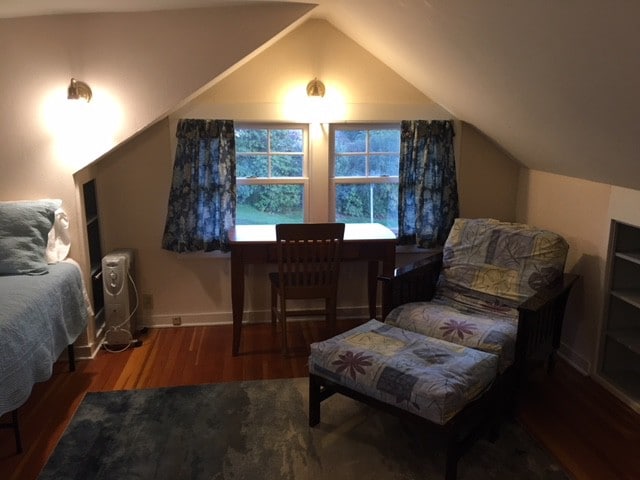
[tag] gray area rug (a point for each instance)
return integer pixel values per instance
(259, 430)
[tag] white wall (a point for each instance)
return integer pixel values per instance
(139, 65)
(580, 210)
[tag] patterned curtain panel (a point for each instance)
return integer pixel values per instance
(428, 190)
(202, 200)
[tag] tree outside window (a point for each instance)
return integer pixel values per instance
(271, 174)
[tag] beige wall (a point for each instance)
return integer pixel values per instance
(580, 211)
(133, 181)
(138, 70)
(488, 177)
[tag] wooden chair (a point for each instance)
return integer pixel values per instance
(308, 266)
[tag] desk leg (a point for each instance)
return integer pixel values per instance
(388, 267)
(237, 296)
(372, 287)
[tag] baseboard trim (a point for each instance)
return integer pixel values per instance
(226, 318)
(574, 359)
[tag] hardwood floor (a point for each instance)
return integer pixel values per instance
(592, 434)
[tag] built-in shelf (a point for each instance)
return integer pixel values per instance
(630, 296)
(92, 226)
(630, 338)
(619, 357)
(627, 381)
(630, 256)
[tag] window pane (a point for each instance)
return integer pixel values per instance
(286, 165)
(384, 140)
(367, 203)
(269, 204)
(252, 166)
(351, 166)
(350, 141)
(384, 165)
(251, 140)
(286, 140)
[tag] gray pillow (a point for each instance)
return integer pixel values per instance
(24, 230)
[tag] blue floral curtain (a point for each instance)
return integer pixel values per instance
(202, 200)
(428, 190)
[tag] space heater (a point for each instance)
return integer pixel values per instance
(120, 297)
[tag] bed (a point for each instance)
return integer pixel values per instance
(43, 303)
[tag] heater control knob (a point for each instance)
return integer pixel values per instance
(113, 281)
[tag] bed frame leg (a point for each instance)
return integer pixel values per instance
(72, 358)
(16, 429)
(15, 426)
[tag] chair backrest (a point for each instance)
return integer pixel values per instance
(500, 261)
(309, 258)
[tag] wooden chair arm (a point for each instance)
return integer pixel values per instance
(411, 283)
(540, 322)
(553, 293)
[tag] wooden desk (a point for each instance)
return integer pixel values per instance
(251, 244)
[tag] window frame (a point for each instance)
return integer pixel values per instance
(303, 180)
(333, 180)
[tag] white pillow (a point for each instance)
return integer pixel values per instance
(58, 243)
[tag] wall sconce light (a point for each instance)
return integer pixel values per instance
(78, 90)
(315, 88)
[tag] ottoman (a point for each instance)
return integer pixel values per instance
(448, 387)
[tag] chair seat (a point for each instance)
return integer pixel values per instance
(491, 334)
(431, 378)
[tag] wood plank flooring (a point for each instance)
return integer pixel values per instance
(592, 434)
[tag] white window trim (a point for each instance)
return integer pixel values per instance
(304, 180)
(333, 180)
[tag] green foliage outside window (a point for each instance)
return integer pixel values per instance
(367, 154)
(269, 153)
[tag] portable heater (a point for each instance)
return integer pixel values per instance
(120, 297)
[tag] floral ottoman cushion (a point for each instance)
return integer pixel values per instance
(431, 378)
(493, 334)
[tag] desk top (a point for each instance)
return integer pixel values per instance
(352, 232)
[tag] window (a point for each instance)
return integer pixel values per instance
(271, 174)
(365, 162)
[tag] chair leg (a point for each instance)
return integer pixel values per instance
(451, 461)
(274, 304)
(330, 308)
(283, 324)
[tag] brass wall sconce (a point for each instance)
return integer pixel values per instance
(78, 90)
(315, 88)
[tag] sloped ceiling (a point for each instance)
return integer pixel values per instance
(554, 83)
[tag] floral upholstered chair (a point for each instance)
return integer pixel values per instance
(460, 328)
(490, 270)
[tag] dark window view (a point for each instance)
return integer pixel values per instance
(366, 175)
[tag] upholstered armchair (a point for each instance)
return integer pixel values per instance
(460, 327)
(497, 287)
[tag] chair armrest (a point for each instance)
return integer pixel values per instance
(551, 294)
(540, 322)
(411, 283)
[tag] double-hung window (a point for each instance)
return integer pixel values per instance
(365, 163)
(271, 173)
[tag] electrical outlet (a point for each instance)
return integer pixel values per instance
(147, 301)
(177, 321)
